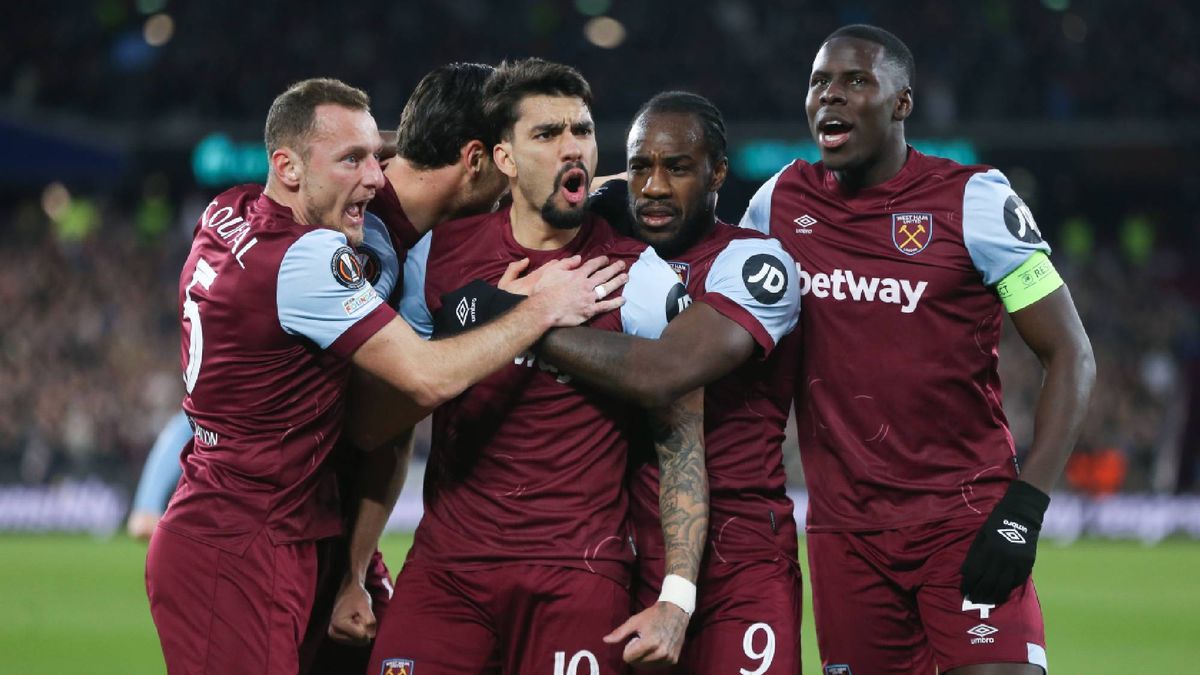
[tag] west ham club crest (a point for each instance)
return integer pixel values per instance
(912, 232)
(397, 667)
(682, 270)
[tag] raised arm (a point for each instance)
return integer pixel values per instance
(699, 346)
(749, 299)
(429, 373)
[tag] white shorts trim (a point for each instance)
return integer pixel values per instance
(1037, 655)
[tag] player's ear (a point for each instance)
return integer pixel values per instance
(904, 105)
(503, 157)
(719, 174)
(287, 166)
(474, 156)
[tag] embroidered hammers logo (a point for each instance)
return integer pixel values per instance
(912, 232)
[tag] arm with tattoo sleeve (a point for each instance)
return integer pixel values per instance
(683, 482)
(658, 631)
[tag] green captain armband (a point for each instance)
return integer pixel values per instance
(1033, 280)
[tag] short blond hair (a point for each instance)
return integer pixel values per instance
(293, 113)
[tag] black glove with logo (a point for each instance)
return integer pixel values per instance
(1001, 557)
(472, 305)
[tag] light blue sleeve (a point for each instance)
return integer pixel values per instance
(758, 213)
(653, 296)
(758, 275)
(998, 229)
(161, 472)
(378, 256)
(321, 292)
(413, 306)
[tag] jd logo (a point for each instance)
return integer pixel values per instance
(765, 277)
(1019, 221)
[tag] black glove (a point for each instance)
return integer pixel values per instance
(1001, 557)
(611, 202)
(472, 305)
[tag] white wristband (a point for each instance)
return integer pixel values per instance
(679, 592)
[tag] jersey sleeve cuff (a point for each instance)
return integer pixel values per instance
(362, 330)
(742, 317)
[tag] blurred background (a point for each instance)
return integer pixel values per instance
(120, 119)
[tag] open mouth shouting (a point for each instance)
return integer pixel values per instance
(833, 132)
(573, 184)
(355, 212)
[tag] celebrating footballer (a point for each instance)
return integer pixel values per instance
(609, 374)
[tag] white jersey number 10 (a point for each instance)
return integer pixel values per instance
(564, 667)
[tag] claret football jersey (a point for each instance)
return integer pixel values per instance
(898, 400)
(751, 280)
(528, 465)
(272, 310)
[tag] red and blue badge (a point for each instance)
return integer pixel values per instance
(912, 232)
(397, 667)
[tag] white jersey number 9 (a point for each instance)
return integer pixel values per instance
(766, 655)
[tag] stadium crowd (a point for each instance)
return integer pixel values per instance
(89, 350)
(1062, 57)
(89, 363)
(88, 368)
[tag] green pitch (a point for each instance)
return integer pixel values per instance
(75, 604)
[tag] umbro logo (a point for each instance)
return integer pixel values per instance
(983, 630)
(463, 309)
(1011, 535)
(804, 224)
(983, 634)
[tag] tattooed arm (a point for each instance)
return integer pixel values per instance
(658, 631)
(683, 482)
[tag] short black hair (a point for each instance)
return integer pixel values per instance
(712, 123)
(894, 49)
(516, 80)
(444, 113)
